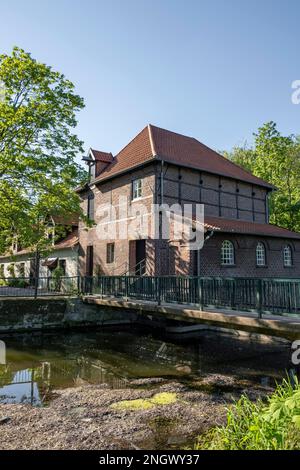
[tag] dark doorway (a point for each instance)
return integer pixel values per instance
(140, 257)
(89, 260)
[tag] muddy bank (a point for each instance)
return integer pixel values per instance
(168, 415)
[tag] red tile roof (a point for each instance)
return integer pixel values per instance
(154, 143)
(137, 152)
(64, 221)
(248, 228)
(102, 156)
(69, 241)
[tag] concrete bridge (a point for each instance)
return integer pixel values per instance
(287, 327)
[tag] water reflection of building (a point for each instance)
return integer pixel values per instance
(22, 388)
(33, 385)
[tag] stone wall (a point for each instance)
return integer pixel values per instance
(25, 314)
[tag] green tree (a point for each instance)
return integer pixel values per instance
(38, 148)
(243, 156)
(276, 159)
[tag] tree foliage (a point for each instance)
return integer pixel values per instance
(276, 159)
(38, 170)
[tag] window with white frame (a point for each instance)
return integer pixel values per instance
(260, 254)
(287, 256)
(227, 253)
(136, 188)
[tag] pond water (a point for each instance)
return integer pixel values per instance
(38, 363)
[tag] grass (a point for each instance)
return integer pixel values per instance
(159, 399)
(271, 425)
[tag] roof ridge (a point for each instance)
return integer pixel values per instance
(173, 132)
(154, 153)
(101, 151)
(132, 140)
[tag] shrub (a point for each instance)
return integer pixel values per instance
(57, 276)
(274, 425)
(2, 276)
(21, 283)
(11, 270)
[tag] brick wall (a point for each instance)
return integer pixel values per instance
(223, 197)
(180, 261)
(109, 193)
(245, 257)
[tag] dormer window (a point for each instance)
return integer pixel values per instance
(93, 170)
(97, 162)
(136, 188)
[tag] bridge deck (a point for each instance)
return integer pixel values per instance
(273, 325)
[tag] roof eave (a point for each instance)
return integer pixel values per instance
(293, 236)
(122, 172)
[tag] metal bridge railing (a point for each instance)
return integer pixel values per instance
(267, 295)
(43, 286)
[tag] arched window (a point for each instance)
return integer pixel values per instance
(227, 253)
(260, 254)
(287, 256)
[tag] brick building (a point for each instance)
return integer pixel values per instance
(163, 167)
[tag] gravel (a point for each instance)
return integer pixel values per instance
(82, 418)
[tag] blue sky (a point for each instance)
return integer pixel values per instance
(213, 69)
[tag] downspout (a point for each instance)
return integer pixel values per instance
(267, 204)
(160, 213)
(162, 182)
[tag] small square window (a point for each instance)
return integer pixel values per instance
(136, 188)
(110, 253)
